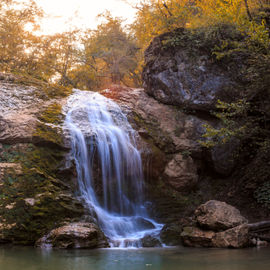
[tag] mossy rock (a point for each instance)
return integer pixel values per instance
(41, 197)
(48, 130)
(45, 90)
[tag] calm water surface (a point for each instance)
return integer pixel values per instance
(14, 258)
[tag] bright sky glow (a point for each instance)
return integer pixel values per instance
(82, 12)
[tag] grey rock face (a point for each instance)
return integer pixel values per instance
(173, 76)
(222, 157)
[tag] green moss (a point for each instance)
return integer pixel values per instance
(205, 39)
(48, 128)
(262, 194)
(40, 180)
(49, 134)
(8, 153)
(52, 114)
(44, 90)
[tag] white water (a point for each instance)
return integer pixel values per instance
(102, 138)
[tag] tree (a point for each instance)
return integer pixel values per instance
(155, 17)
(17, 45)
(59, 55)
(108, 55)
(247, 9)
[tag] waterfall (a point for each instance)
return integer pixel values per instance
(109, 168)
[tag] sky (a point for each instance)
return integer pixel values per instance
(82, 12)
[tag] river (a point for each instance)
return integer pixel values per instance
(24, 258)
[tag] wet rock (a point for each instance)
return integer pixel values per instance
(218, 216)
(170, 234)
(150, 241)
(237, 237)
(195, 237)
(181, 173)
(127, 243)
(75, 235)
(144, 224)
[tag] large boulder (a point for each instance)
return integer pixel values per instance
(237, 237)
(196, 237)
(75, 235)
(21, 104)
(220, 225)
(218, 216)
(18, 111)
(184, 74)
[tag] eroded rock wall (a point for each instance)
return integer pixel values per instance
(36, 192)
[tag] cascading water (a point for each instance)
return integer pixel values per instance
(104, 147)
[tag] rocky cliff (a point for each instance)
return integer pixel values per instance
(182, 73)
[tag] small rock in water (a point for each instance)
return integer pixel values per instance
(150, 241)
(144, 224)
(75, 235)
(170, 234)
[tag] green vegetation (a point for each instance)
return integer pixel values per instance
(262, 194)
(47, 129)
(93, 59)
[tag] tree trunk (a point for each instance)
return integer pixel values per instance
(259, 226)
(247, 9)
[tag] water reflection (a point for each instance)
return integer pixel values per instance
(14, 258)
